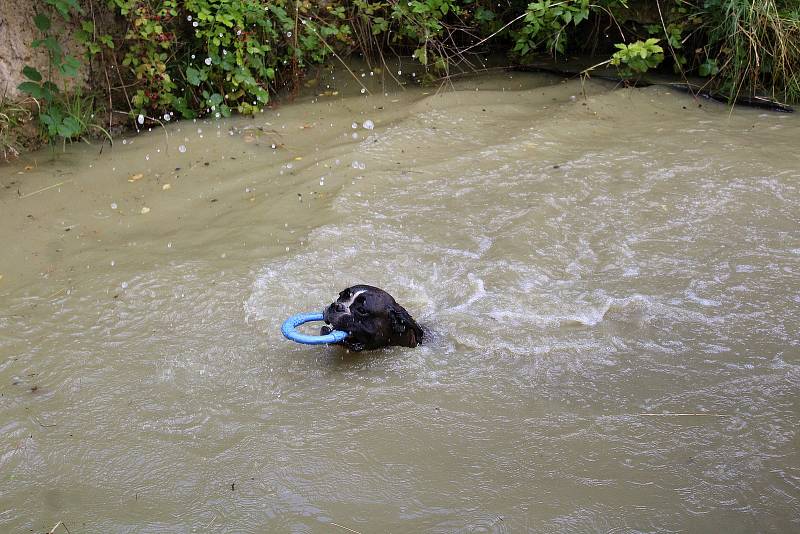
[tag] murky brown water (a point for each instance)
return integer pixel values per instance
(583, 264)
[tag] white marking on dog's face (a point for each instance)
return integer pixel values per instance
(352, 299)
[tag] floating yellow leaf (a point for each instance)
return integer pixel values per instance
(134, 177)
(298, 158)
(145, 210)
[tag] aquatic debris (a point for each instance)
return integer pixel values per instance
(145, 210)
(45, 189)
(133, 177)
(166, 186)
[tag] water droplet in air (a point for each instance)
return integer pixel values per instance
(194, 24)
(124, 285)
(140, 119)
(368, 125)
(355, 135)
(147, 157)
(363, 90)
(113, 205)
(288, 34)
(274, 146)
(169, 245)
(124, 141)
(167, 117)
(189, 18)
(182, 149)
(354, 125)
(208, 61)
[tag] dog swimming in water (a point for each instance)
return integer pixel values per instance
(372, 319)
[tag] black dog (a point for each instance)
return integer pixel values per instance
(372, 319)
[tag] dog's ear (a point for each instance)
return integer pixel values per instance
(405, 326)
(401, 320)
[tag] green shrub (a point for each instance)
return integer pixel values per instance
(62, 113)
(637, 58)
(54, 117)
(212, 56)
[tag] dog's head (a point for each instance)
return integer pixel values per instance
(372, 319)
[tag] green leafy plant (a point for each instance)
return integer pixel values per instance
(546, 23)
(638, 57)
(54, 114)
(213, 56)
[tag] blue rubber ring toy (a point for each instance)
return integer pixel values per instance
(289, 330)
